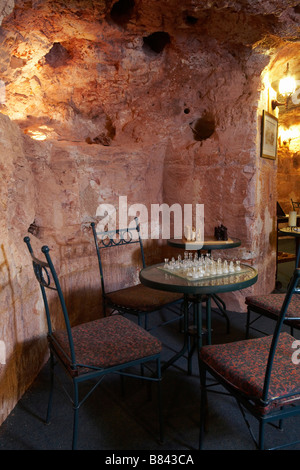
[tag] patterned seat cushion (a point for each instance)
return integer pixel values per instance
(108, 342)
(142, 298)
(243, 364)
(272, 304)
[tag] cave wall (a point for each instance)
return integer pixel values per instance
(97, 108)
(21, 324)
(288, 173)
(288, 158)
(288, 176)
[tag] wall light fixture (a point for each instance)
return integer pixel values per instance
(289, 138)
(287, 86)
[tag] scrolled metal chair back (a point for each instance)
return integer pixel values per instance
(295, 204)
(47, 278)
(115, 238)
(42, 274)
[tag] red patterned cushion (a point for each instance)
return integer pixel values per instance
(243, 364)
(273, 303)
(142, 298)
(108, 342)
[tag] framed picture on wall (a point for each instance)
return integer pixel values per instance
(269, 132)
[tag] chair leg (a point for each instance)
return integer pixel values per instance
(191, 348)
(50, 399)
(248, 322)
(160, 408)
(142, 318)
(75, 416)
(261, 442)
(203, 402)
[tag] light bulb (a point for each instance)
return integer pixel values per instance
(287, 85)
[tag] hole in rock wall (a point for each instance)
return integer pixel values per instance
(190, 20)
(297, 8)
(122, 11)
(34, 229)
(156, 42)
(203, 127)
(57, 56)
(106, 137)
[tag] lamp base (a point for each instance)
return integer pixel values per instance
(277, 103)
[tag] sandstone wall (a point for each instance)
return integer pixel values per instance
(120, 118)
(288, 177)
(22, 325)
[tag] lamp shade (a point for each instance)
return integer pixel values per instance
(287, 86)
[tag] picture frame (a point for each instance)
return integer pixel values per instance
(269, 135)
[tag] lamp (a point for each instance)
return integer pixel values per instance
(285, 137)
(289, 138)
(287, 86)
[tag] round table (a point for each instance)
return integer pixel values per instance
(157, 277)
(209, 244)
(294, 232)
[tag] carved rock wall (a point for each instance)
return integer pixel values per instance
(288, 177)
(158, 102)
(21, 323)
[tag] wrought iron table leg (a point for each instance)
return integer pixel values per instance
(198, 324)
(219, 302)
(198, 320)
(185, 346)
(222, 307)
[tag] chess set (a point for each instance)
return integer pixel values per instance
(194, 267)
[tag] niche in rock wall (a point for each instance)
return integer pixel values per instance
(190, 20)
(156, 42)
(122, 12)
(57, 56)
(203, 127)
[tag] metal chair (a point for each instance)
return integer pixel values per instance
(90, 351)
(262, 374)
(138, 299)
(296, 205)
(269, 306)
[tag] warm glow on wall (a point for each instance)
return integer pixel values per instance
(36, 135)
(39, 133)
(290, 137)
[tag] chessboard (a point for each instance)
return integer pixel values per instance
(198, 272)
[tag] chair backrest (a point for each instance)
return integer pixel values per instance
(114, 238)
(296, 205)
(293, 289)
(48, 280)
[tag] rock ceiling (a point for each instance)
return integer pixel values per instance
(63, 61)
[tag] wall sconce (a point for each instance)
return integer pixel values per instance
(287, 86)
(284, 141)
(289, 137)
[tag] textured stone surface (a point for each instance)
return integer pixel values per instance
(158, 102)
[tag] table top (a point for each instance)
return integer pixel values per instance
(293, 231)
(156, 278)
(208, 244)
